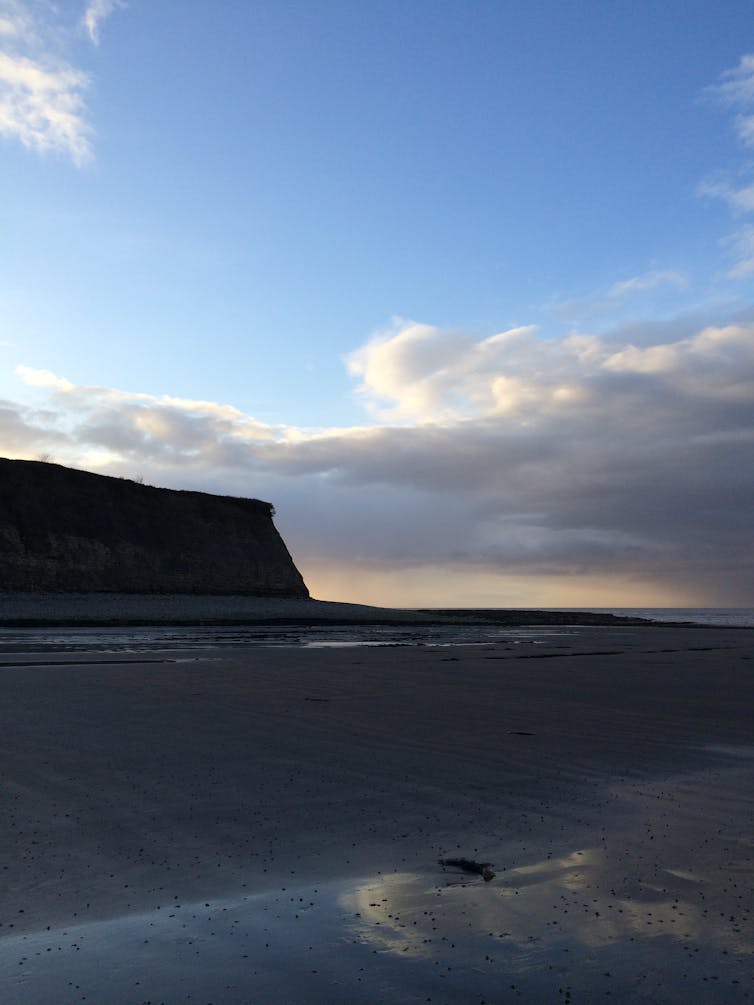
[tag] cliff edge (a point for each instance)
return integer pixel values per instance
(73, 531)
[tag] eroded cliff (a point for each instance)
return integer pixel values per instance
(74, 531)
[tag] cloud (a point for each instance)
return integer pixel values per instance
(42, 95)
(43, 378)
(745, 129)
(651, 280)
(742, 245)
(621, 296)
(428, 374)
(144, 426)
(425, 374)
(43, 107)
(504, 459)
(96, 12)
(15, 21)
(25, 432)
(736, 89)
(739, 198)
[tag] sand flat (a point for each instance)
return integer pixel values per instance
(606, 774)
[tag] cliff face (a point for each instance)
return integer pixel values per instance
(73, 531)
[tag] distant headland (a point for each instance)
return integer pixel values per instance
(69, 531)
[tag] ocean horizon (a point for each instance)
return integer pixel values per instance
(730, 617)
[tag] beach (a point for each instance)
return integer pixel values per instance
(242, 823)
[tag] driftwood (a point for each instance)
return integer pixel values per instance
(468, 865)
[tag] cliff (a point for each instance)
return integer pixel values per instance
(74, 531)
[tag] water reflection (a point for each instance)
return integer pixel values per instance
(581, 925)
(581, 898)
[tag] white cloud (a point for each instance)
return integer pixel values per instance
(714, 364)
(745, 129)
(736, 90)
(736, 86)
(622, 296)
(652, 280)
(739, 198)
(43, 378)
(42, 95)
(423, 374)
(432, 375)
(742, 245)
(130, 424)
(43, 107)
(96, 12)
(15, 21)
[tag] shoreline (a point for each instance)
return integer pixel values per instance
(116, 610)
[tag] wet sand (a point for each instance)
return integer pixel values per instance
(264, 825)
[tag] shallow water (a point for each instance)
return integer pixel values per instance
(658, 912)
(399, 938)
(158, 639)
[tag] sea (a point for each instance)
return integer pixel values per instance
(731, 617)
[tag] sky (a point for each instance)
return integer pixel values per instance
(464, 288)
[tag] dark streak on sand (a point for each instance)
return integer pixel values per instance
(107, 661)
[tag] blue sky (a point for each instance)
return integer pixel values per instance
(465, 289)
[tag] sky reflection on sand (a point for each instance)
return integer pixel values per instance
(579, 899)
(585, 924)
